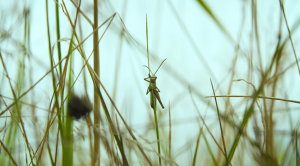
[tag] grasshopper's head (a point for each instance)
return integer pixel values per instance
(152, 78)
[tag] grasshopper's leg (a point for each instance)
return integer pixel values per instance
(158, 98)
(156, 88)
(147, 91)
(146, 79)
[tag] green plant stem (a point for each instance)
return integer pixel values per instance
(210, 151)
(53, 77)
(58, 34)
(197, 146)
(68, 139)
(59, 47)
(156, 125)
(52, 72)
(153, 98)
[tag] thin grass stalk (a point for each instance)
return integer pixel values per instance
(56, 146)
(153, 98)
(156, 125)
(290, 34)
(222, 134)
(97, 116)
(197, 146)
(111, 125)
(58, 34)
(59, 47)
(210, 151)
(52, 72)
(50, 155)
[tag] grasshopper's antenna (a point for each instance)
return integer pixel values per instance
(160, 65)
(148, 68)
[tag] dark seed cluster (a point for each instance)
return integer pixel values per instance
(79, 107)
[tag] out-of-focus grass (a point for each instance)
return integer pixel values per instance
(61, 140)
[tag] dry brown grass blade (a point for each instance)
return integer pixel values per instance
(222, 134)
(41, 145)
(263, 97)
(290, 35)
(83, 14)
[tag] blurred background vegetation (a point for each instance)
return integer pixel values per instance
(58, 57)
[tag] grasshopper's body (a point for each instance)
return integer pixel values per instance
(152, 87)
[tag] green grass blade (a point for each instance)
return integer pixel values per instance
(197, 146)
(210, 151)
(211, 14)
(58, 34)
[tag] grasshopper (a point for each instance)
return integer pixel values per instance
(152, 86)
